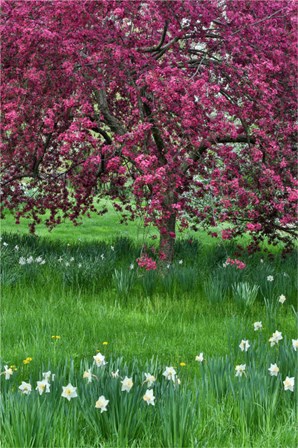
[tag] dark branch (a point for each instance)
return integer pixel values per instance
(216, 140)
(114, 124)
(159, 45)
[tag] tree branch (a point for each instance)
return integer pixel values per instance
(228, 139)
(159, 45)
(114, 124)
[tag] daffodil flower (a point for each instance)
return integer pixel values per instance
(115, 374)
(258, 326)
(48, 376)
(25, 388)
(200, 357)
(43, 386)
(289, 384)
(101, 404)
(240, 369)
(282, 299)
(127, 384)
(273, 370)
(87, 374)
(244, 345)
(69, 392)
(99, 360)
(7, 372)
(149, 397)
(275, 338)
(170, 373)
(295, 344)
(150, 379)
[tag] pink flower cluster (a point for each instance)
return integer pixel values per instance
(146, 262)
(239, 264)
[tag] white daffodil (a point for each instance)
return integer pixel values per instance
(7, 372)
(99, 360)
(30, 259)
(200, 357)
(282, 299)
(275, 338)
(180, 262)
(289, 384)
(244, 345)
(150, 379)
(25, 388)
(69, 392)
(16, 248)
(126, 384)
(149, 397)
(273, 370)
(115, 374)
(170, 373)
(22, 261)
(131, 266)
(240, 369)
(88, 375)
(112, 248)
(295, 344)
(43, 386)
(258, 326)
(101, 404)
(270, 278)
(47, 375)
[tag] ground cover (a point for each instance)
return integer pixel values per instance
(63, 302)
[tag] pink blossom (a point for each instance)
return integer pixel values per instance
(146, 262)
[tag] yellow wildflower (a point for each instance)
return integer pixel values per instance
(27, 360)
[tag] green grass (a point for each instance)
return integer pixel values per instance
(150, 321)
(96, 227)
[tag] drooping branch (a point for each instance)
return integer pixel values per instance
(228, 139)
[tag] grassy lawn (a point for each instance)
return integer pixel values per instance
(106, 227)
(87, 293)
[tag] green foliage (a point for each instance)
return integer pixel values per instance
(150, 320)
(245, 294)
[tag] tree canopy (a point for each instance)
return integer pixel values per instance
(177, 110)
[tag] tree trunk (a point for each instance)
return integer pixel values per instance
(167, 242)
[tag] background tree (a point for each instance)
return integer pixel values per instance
(172, 109)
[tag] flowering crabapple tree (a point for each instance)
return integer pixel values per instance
(182, 112)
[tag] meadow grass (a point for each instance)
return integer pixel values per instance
(87, 293)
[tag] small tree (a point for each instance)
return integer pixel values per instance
(159, 105)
